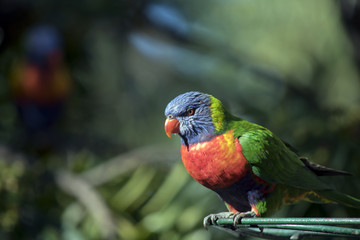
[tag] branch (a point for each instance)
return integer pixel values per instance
(89, 197)
(128, 161)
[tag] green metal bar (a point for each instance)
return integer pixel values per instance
(304, 221)
(272, 233)
(293, 228)
(314, 228)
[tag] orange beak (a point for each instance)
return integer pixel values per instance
(172, 126)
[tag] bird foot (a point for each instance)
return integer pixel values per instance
(240, 215)
(236, 217)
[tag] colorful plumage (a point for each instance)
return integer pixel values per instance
(40, 82)
(250, 168)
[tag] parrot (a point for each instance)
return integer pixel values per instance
(40, 81)
(251, 169)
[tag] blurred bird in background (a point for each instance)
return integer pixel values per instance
(40, 83)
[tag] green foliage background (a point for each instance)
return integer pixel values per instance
(109, 171)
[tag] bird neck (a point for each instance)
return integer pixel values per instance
(203, 134)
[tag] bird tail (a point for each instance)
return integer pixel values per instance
(342, 198)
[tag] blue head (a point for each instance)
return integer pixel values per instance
(41, 43)
(189, 115)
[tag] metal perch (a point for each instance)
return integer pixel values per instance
(292, 228)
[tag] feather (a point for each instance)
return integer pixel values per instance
(320, 170)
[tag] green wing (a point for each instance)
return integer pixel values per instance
(272, 161)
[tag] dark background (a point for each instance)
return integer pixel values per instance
(83, 153)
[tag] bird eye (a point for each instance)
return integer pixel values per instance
(190, 111)
(170, 116)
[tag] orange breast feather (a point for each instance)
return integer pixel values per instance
(217, 163)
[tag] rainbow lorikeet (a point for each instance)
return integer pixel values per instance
(253, 171)
(40, 81)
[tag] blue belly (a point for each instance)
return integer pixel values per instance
(245, 192)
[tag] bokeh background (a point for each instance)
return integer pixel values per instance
(83, 88)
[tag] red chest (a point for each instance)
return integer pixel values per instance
(217, 163)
